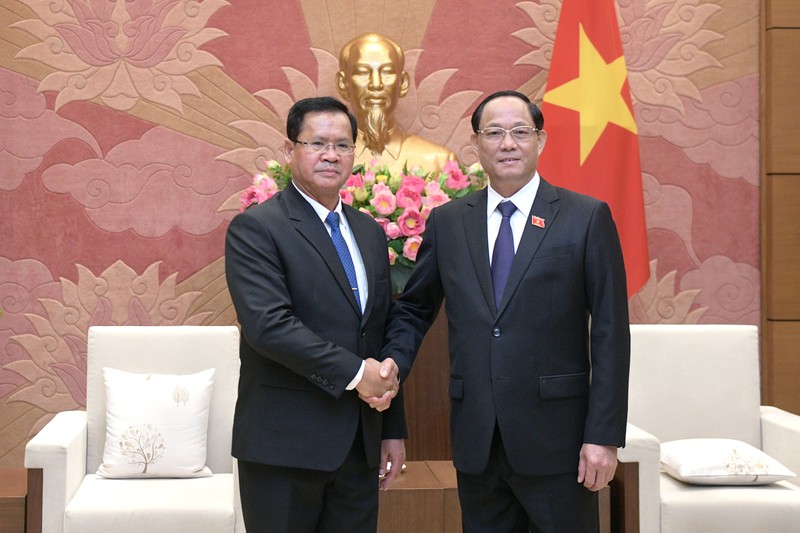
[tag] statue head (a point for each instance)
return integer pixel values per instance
(371, 78)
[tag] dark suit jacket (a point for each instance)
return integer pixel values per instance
(304, 337)
(534, 367)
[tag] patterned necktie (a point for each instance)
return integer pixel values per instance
(344, 253)
(503, 254)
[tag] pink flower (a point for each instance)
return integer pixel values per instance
(380, 187)
(414, 183)
(383, 201)
(346, 196)
(411, 247)
(392, 256)
(432, 187)
(265, 182)
(456, 179)
(408, 197)
(262, 189)
(411, 222)
(366, 211)
(369, 177)
(435, 200)
(392, 231)
(354, 181)
(382, 222)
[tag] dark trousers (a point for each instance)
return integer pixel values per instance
(277, 499)
(502, 501)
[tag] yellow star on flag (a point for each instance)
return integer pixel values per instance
(595, 94)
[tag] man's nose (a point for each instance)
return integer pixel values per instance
(508, 142)
(375, 81)
(329, 153)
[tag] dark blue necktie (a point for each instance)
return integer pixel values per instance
(344, 253)
(503, 254)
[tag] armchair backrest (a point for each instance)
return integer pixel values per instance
(692, 381)
(165, 350)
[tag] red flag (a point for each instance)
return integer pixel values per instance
(592, 145)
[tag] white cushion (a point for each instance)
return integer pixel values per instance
(720, 462)
(156, 424)
(152, 505)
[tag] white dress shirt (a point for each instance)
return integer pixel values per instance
(522, 199)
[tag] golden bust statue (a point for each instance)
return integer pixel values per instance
(372, 79)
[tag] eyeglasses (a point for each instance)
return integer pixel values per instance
(519, 133)
(319, 146)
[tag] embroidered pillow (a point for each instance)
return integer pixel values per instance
(156, 424)
(720, 462)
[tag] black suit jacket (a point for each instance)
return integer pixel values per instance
(304, 337)
(534, 367)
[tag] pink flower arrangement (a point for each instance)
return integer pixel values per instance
(400, 204)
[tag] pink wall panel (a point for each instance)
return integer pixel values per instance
(121, 158)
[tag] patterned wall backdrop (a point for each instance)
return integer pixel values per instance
(129, 127)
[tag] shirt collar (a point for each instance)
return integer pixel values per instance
(523, 198)
(321, 210)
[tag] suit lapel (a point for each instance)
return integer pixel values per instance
(360, 228)
(544, 208)
(476, 236)
(308, 224)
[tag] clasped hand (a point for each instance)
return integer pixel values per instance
(380, 383)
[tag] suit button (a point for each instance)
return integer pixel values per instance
(313, 376)
(496, 332)
(363, 333)
(324, 381)
(330, 386)
(319, 379)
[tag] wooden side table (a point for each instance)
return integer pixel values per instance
(414, 502)
(13, 492)
(445, 473)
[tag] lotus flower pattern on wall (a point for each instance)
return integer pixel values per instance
(121, 51)
(54, 368)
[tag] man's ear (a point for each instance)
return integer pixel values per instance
(474, 139)
(341, 85)
(405, 83)
(541, 140)
(288, 146)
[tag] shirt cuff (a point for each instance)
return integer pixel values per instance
(356, 380)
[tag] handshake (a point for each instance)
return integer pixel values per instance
(380, 383)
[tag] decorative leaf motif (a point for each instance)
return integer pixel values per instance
(180, 395)
(657, 303)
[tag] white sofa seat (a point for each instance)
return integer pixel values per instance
(69, 449)
(702, 381)
(706, 509)
(193, 505)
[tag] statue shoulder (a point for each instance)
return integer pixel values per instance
(426, 154)
(416, 143)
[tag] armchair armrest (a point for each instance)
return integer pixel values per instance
(780, 437)
(59, 449)
(645, 449)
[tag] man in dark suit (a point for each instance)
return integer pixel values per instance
(309, 278)
(534, 288)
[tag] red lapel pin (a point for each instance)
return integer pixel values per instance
(537, 221)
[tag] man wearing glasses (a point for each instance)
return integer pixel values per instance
(534, 287)
(309, 278)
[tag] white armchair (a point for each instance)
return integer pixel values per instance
(702, 381)
(69, 449)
